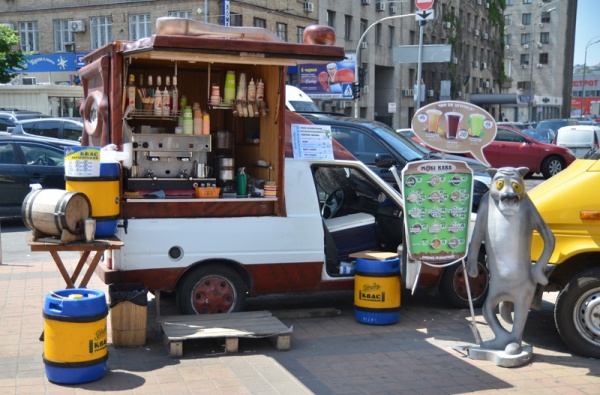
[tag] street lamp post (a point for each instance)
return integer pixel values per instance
(590, 43)
(360, 40)
(532, 43)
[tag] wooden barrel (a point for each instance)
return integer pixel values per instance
(50, 211)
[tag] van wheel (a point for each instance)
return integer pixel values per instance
(577, 314)
(551, 166)
(211, 289)
(453, 285)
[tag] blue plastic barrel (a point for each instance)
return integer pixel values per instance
(75, 341)
(377, 291)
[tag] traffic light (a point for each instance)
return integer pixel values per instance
(362, 75)
(356, 90)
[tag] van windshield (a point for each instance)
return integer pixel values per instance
(304, 106)
(575, 136)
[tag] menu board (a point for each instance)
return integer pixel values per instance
(437, 201)
(82, 161)
(312, 141)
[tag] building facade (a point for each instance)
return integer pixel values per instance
(491, 42)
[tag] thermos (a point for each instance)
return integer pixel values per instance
(242, 182)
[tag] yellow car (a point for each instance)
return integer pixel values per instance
(569, 202)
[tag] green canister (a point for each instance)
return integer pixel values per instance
(188, 121)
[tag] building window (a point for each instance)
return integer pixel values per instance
(509, 2)
(391, 32)
(363, 26)
(524, 85)
(299, 34)
(526, 19)
(260, 22)
(543, 58)
(545, 17)
(348, 27)
(100, 31)
(139, 26)
(235, 19)
(181, 14)
(525, 38)
(331, 18)
(508, 20)
(62, 35)
(378, 34)
(281, 30)
(526, 1)
(507, 39)
(28, 33)
(525, 58)
(545, 38)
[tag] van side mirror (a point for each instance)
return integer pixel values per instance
(384, 160)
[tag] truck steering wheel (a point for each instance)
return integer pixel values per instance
(333, 203)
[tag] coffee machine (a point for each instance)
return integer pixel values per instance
(169, 162)
(224, 162)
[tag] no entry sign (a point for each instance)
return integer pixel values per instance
(424, 4)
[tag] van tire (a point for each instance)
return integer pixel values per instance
(576, 314)
(551, 166)
(211, 289)
(453, 284)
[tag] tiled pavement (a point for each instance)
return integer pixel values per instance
(329, 355)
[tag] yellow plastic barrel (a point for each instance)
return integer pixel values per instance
(377, 291)
(75, 341)
(103, 192)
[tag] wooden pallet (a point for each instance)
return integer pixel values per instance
(231, 327)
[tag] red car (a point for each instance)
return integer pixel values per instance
(513, 148)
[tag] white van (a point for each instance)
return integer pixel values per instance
(297, 100)
(581, 139)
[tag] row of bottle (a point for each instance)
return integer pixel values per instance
(194, 121)
(245, 91)
(154, 100)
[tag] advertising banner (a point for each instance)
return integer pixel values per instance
(82, 161)
(331, 81)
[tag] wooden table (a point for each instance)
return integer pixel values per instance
(98, 246)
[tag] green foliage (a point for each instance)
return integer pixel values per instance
(10, 59)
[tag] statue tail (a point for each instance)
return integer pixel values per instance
(506, 309)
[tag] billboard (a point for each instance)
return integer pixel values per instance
(330, 81)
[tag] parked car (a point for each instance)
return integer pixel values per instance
(512, 147)
(55, 128)
(582, 140)
(555, 124)
(9, 118)
(571, 209)
(25, 161)
(381, 147)
(546, 136)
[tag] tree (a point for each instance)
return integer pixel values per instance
(10, 59)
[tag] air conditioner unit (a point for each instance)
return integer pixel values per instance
(406, 92)
(77, 26)
(475, 63)
(29, 81)
(476, 32)
(486, 84)
(525, 46)
(539, 45)
(523, 66)
(363, 45)
(309, 7)
(483, 65)
(430, 93)
(507, 47)
(380, 6)
(541, 24)
(393, 9)
(455, 60)
(11, 25)
(479, 2)
(522, 26)
(539, 65)
(485, 36)
(366, 89)
(446, 25)
(365, 2)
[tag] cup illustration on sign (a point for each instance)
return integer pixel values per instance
(476, 124)
(453, 120)
(433, 119)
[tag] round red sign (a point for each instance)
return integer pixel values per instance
(424, 4)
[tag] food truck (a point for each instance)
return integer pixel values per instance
(251, 199)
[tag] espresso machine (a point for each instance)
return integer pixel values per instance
(170, 162)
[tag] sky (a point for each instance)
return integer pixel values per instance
(587, 28)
